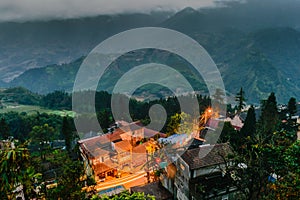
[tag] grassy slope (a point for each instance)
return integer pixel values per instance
(33, 109)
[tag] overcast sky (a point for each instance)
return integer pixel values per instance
(24, 10)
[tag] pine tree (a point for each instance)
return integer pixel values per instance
(269, 119)
(67, 133)
(249, 127)
(292, 106)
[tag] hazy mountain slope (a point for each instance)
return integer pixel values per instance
(37, 44)
(282, 47)
(241, 61)
(249, 42)
(3, 84)
(248, 52)
(49, 78)
(249, 16)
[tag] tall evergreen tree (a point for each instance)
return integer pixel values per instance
(269, 119)
(292, 106)
(67, 133)
(249, 127)
(240, 99)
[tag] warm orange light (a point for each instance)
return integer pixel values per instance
(209, 110)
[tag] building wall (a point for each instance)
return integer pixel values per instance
(182, 178)
(87, 163)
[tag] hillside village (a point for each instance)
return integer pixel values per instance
(176, 165)
(129, 148)
(150, 100)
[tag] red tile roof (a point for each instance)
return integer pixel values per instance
(115, 136)
(140, 149)
(99, 145)
(139, 156)
(95, 146)
(102, 167)
(123, 146)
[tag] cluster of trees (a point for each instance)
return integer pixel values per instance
(57, 100)
(22, 171)
(139, 110)
(54, 100)
(20, 95)
(265, 159)
(19, 125)
(28, 155)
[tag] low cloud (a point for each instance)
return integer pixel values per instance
(24, 10)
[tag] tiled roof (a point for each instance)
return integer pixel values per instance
(132, 126)
(206, 155)
(123, 146)
(95, 146)
(101, 167)
(140, 149)
(99, 145)
(101, 139)
(139, 156)
(115, 136)
(100, 152)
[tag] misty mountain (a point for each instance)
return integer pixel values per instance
(50, 78)
(246, 17)
(246, 61)
(255, 45)
(39, 43)
(26, 45)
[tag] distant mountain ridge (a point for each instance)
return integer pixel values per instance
(34, 44)
(50, 78)
(248, 62)
(259, 52)
(40, 43)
